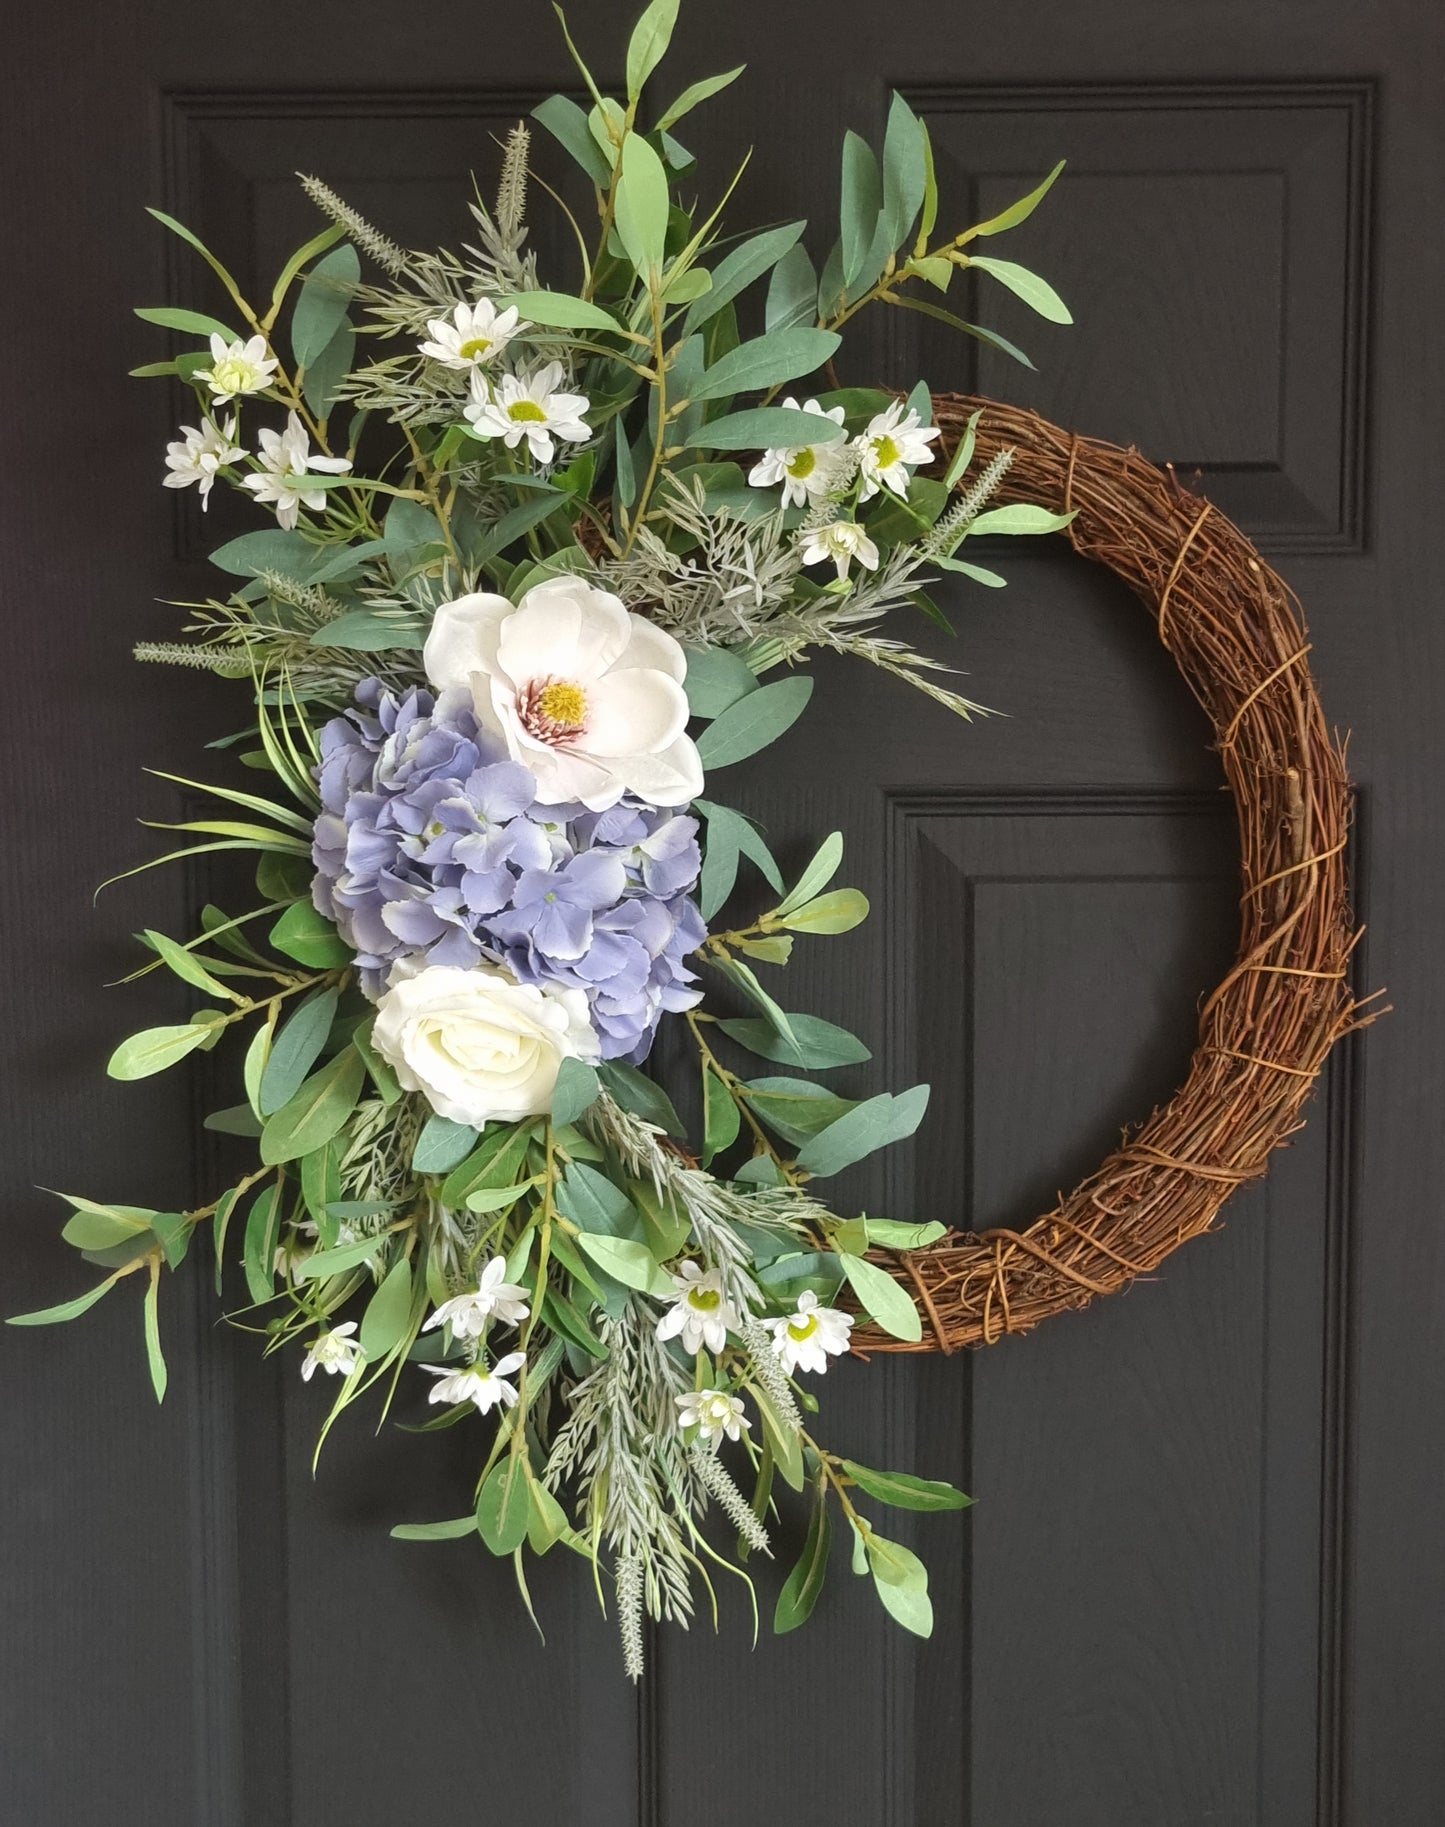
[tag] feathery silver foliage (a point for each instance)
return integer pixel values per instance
(721, 1486)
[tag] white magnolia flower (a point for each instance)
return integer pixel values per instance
(806, 471)
(806, 1339)
(475, 336)
(335, 1352)
(532, 409)
(480, 1046)
(840, 542)
(287, 461)
(713, 1412)
(894, 443)
(586, 695)
(467, 1314)
(237, 368)
(701, 1311)
(198, 456)
(475, 1383)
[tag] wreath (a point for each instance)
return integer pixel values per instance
(519, 603)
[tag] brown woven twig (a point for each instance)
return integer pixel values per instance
(1238, 636)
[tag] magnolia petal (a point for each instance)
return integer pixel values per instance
(672, 777)
(633, 711)
(563, 629)
(653, 648)
(463, 639)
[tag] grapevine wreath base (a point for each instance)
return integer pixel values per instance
(1239, 638)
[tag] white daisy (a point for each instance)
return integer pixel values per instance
(199, 455)
(286, 463)
(476, 335)
(840, 542)
(237, 368)
(334, 1352)
(532, 409)
(467, 1314)
(895, 443)
(701, 1312)
(713, 1412)
(806, 471)
(476, 1384)
(805, 1340)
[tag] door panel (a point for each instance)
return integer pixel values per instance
(1201, 1583)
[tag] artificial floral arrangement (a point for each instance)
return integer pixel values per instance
(522, 545)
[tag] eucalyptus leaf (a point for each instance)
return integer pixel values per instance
(435, 1531)
(370, 631)
(187, 967)
(1019, 517)
(904, 172)
(738, 270)
(504, 1506)
(781, 355)
(838, 912)
(648, 44)
(316, 1110)
(643, 1096)
(901, 1581)
(309, 937)
(153, 1049)
(721, 1116)
(760, 427)
(860, 206)
(576, 1090)
(295, 1050)
(387, 1318)
(893, 1235)
(817, 1045)
(792, 292)
(320, 1265)
(442, 1145)
(1017, 212)
(803, 1585)
(695, 93)
(321, 303)
(625, 1261)
(754, 721)
(796, 1108)
(561, 311)
(1037, 293)
(154, 1356)
(874, 1124)
(882, 1298)
(641, 207)
(258, 1251)
(816, 877)
(567, 124)
(717, 678)
(192, 323)
(66, 1310)
(905, 1492)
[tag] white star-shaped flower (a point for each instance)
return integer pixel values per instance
(701, 1311)
(895, 443)
(287, 463)
(713, 1412)
(839, 543)
(335, 1352)
(805, 1339)
(468, 1314)
(476, 335)
(198, 455)
(476, 1384)
(237, 368)
(530, 408)
(806, 471)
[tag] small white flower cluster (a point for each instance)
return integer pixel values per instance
(513, 406)
(702, 1315)
(284, 473)
(468, 1315)
(883, 456)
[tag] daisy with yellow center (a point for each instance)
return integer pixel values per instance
(533, 408)
(474, 336)
(701, 1312)
(894, 444)
(807, 471)
(806, 1338)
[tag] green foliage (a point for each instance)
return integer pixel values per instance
(754, 722)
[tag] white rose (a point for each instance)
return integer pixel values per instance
(586, 695)
(480, 1046)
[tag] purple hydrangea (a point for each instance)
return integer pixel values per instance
(429, 843)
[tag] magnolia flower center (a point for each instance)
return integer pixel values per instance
(526, 412)
(553, 710)
(473, 349)
(804, 463)
(802, 1329)
(886, 453)
(704, 1299)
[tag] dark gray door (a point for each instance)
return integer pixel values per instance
(1202, 1582)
